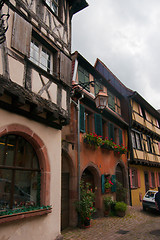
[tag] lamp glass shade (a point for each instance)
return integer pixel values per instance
(101, 100)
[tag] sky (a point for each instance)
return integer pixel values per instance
(125, 36)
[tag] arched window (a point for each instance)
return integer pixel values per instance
(19, 173)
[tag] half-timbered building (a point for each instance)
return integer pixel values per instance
(35, 81)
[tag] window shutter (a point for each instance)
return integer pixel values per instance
(111, 131)
(120, 137)
(98, 124)
(113, 180)
(21, 35)
(82, 118)
(130, 175)
(65, 69)
(103, 183)
(139, 178)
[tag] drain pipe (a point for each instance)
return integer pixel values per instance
(77, 104)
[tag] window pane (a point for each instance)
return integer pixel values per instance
(11, 145)
(2, 149)
(138, 140)
(45, 60)
(133, 140)
(25, 190)
(34, 52)
(5, 188)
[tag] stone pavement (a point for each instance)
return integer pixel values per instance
(137, 224)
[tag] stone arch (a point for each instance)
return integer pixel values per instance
(97, 182)
(41, 152)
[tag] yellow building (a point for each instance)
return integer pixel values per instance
(144, 135)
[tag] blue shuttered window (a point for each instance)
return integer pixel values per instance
(111, 131)
(82, 118)
(103, 182)
(98, 124)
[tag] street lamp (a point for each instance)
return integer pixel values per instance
(101, 100)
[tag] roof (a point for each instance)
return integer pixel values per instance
(77, 5)
(110, 77)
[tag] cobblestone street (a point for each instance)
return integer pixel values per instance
(135, 225)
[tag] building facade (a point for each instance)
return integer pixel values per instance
(144, 163)
(143, 136)
(35, 80)
(81, 160)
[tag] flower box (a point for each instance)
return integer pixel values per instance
(22, 215)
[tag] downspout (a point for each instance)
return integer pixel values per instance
(77, 104)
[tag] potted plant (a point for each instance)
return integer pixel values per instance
(120, 208)
(107, 144)
(108, 184)
(92, 139)
(107, 205)
(85, 206)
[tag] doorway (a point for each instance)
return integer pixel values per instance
(146, 180)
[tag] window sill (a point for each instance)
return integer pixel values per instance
(22, 215)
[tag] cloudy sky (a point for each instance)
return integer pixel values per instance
(125, 36)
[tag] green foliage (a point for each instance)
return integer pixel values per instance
(108, 184)
(120, 192)
(85, 206)
(107, 202)
(23, 209)
(107, 144)
(92, 139)
(120, 206)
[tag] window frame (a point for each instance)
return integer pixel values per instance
(38, 62)
(134, 177)
(14, 168)
(136, 136)
(56, 4)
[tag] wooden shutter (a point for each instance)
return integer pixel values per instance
(98, 124)
(113, 180)
(65, 69)
(111, 131)
(120, 137)
(82, 118)
(21, 35)
(103, 183)
(130, 175)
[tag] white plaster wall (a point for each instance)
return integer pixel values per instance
(44, 227)
(16, 70)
